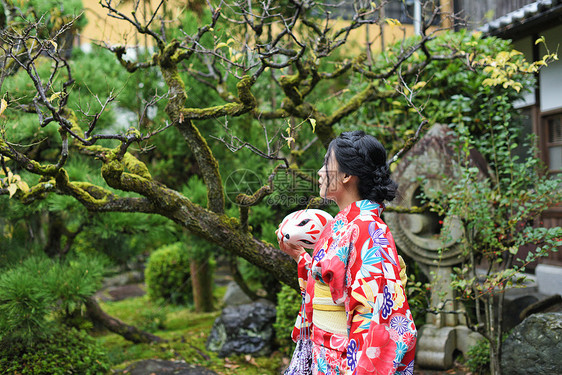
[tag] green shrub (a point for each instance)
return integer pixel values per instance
(478, 358)
(288, 306)
(168, 276)
(153, 319)
(64, 351)
(39, 287)
(417, 292)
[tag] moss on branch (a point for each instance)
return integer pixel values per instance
(353, 104)
(290, 84)
(136, 166)
(408, 210)
(256, 198)
(245, 103)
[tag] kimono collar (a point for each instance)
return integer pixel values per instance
(362, 207)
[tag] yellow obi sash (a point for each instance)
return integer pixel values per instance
(327, 315)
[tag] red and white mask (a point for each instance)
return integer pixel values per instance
(303, 227)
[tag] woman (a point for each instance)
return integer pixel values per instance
(355, 301)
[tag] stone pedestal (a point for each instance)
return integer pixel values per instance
(549, 279)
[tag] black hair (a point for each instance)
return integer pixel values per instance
(362, 155)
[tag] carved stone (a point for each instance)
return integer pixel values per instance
(419, 237)
(438, 346)
(422, 169)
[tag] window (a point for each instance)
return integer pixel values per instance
(524, 122)
(402, 10)
(554, 143)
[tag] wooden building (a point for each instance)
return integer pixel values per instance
(542, 106)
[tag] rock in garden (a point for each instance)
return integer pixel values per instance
(534, 346)
(234, 296)
(244, 329)
(161, 367)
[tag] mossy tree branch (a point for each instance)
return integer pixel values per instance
(273, 39)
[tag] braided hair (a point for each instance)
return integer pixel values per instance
(362, 155)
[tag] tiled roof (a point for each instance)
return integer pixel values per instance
(527, 14)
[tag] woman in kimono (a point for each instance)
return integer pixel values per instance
(355, 301)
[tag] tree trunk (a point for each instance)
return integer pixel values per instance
(239, 279)
(54, 236)
(115, 325)
(202, 284)
(495, 368)
(494, 336)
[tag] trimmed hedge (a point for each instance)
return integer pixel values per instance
(168, 276)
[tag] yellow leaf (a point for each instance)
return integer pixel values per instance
(540, 40)
(12, 188)
(22, 185)
(289, 140)
(3, 106)
(221, 44)
(419, 85)
(477, 34)
(56, 95)
(502, 57)
(313, 123)
(392, 21)
(54, 44)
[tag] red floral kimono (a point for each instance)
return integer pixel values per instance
(366, 327)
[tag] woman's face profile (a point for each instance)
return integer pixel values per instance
(329, 178)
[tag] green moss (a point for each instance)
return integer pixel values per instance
(186, 332)
(136, 166)
(66, 351)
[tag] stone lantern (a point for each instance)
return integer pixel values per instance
(419, 237)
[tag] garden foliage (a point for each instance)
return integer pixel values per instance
(39, 289)
(61, 351)
(499, 205)
(168, 276)
(38, 297)
(288, 305)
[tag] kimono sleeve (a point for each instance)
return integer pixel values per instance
(303, 266)
(382, 334)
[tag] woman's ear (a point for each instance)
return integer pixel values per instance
(347, 178)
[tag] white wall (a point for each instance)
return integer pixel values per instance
(551, 76)
(525, 45)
